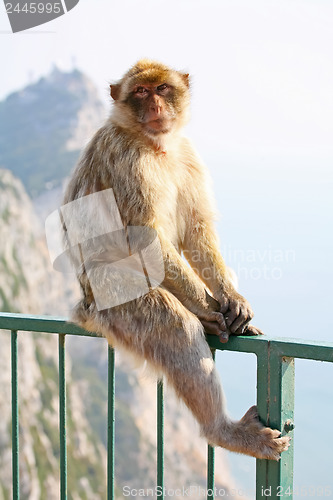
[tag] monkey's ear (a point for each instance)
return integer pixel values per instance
(186, 79)
(115, 91)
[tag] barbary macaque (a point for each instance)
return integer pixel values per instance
(161, 186)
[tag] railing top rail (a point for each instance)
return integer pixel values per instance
(281, 346)
(290, 347)
(47, 324)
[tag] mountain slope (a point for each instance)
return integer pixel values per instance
(43, 127)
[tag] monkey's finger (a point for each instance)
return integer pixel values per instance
(252, 330)
(242, 329)
(221, 321)
(211, 327)
(240, 323)
(213, 317)
(224, 337)
(224, 302)
(232, 314)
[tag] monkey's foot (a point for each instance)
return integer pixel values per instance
(257, 440)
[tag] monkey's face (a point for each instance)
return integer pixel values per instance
(153, 106)
(152, 98)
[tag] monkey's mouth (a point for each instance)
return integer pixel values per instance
(158, 126)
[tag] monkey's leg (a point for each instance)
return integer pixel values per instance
(161, 330)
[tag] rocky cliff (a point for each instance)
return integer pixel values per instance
(28, 284)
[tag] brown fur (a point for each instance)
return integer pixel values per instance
(159, 182)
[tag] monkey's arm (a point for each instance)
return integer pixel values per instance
(200, 244)
(183, 282)
(202, 252)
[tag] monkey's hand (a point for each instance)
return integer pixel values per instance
(236, 310)
(213, 320)
(213, 328)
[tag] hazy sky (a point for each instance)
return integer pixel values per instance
(262, 71)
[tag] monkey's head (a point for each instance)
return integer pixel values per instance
(152, 99)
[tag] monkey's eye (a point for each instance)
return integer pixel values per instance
(141, 90)
(162, 87)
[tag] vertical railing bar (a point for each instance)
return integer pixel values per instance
(287, 416)
(111, 423)
(62, 418)
(210, 472)
(15, 419)
(281, 408)
(275, 401)
(160, 440)
(211, 464)
(263, 394)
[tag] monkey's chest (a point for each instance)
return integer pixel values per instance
(152, 199)
(167, 213)
(159, 207)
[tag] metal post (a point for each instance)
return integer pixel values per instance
(111, 423)
(15, 419)
(211, 464)
(275, 397)
(210, 472)
(62, 418)
(160, 440)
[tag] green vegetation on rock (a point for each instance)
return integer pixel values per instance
(35, 125)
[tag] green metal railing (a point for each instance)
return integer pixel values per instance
(275, 400)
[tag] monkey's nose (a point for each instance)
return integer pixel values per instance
(156, 108)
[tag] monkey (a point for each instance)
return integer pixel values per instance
(161, 185)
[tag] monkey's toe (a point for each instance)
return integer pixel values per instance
(270, 444)
(274, 447)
